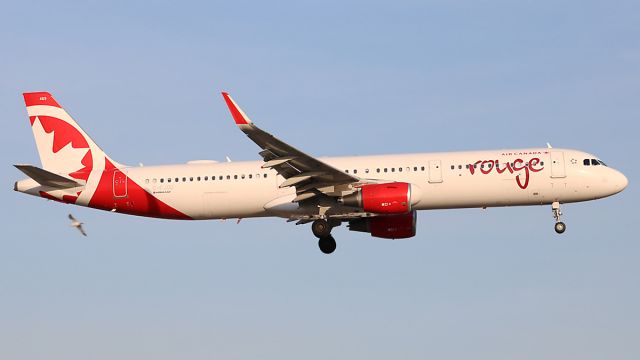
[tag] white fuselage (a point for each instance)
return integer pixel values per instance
(212, 190)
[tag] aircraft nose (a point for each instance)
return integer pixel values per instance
(619, 181)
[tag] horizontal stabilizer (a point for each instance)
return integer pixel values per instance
(46, 178)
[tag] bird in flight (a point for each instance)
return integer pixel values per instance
(77, 224)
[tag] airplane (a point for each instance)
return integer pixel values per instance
(379, 195)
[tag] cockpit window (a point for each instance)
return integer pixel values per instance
(594, 162)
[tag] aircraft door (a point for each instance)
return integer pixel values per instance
(557, 165)
(435, 171)
(119, 184)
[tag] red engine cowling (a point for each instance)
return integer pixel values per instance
(389, 198)
(387, 227)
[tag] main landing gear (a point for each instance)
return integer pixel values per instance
(560, 227)
(322, 230)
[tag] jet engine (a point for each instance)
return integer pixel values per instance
(388, 198)
(387, 226)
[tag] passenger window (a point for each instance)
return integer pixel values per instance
(378, 170)
(422, 168)
(385, 169)
(168, 179)
(355, 171)
(347, 171)
(220, 177)
(265, 176)
(155, 180)
(393, 169)
(191, 178)
(250, 176)
(235, 176)
(542, 163)
(400, 169)
(415, 168)
(467, 166)
(206, 178)
(146, 181)
(228, 177)
(459, 167)
(453, 167)
(366, 171)
(198, 178)
(586, 162)
(162, 180)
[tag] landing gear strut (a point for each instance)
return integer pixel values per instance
(322, 230)
(560, 227)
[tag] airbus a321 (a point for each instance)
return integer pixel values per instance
(378, 195)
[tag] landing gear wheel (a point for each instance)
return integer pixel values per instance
(560, 227)
(327, 244)
(321, 228)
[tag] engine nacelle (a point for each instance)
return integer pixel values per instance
(389, 198)
(388, 226)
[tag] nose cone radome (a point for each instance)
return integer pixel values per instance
(618, 181)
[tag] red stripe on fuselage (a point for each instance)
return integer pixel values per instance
(137, 202)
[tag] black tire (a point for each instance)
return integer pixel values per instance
(327, 244)
(321, 228)
(560, 227)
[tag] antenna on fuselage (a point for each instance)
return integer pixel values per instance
(549, 146)
(228, 160)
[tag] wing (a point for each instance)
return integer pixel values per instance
(310, 176)
(82, 230)
(72, 218)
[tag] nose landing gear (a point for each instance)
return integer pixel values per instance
(559, 227)
(322, 230)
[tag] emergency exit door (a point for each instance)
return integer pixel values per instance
(435, 171)
(557, 165)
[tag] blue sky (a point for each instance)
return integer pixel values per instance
(333, 78)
